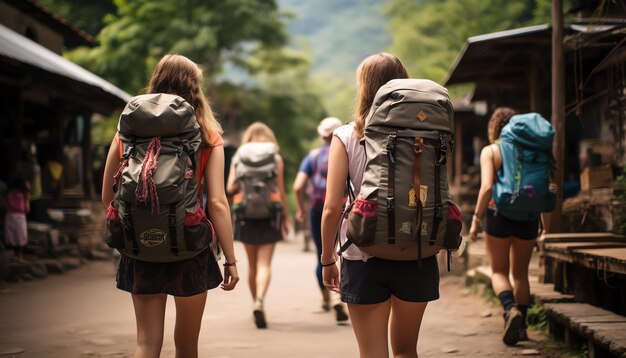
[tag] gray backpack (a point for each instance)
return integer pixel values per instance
(256, 172)
(403, 211)
(156, 214)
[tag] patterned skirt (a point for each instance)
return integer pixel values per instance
(183, 278)
(15, 232)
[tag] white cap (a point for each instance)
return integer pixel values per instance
(327, 126)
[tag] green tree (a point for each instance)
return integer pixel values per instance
(89, 18)
(428, 34)
(209, 33)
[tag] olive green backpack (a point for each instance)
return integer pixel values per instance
(403, 210)
(156, 213)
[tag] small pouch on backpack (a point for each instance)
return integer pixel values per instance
(362, 219)
(114, 231)
(453, 239)
(198, 230)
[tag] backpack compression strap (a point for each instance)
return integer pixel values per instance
(440, 159)
(418, 147)
(391, 188)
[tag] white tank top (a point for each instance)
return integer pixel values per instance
(356, 166)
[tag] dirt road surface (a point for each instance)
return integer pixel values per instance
(82, 314)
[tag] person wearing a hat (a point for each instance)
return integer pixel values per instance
(313, 169)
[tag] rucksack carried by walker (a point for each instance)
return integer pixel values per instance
(318, 179)
(156, 213)
(256, 172)
(522, 190)
(403, 210)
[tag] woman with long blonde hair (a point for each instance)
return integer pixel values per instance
(381, 294)
(257, 182)
(188, 281)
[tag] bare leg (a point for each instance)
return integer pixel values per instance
(520, 259)
(150, 317)
(406, 318)
(264, 271)
(498, 250)
(189, 312)
(370, 323)
(252, 253)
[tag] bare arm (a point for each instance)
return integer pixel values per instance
(110, 168)
(487, 175)
(232, 186)
(299, 186)
(280, 181)
(331, 215)
(219, 213)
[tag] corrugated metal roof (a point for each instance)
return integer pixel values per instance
(481, 53)
(22, 49)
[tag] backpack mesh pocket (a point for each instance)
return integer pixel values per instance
(362, 219)
(114, 231)
(198, 230)
(452, 240)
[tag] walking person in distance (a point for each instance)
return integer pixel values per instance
(256, 181)
(515, 189)
(314, 169)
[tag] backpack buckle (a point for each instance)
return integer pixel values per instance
(391, 203)
(418, 145)
(438, 212)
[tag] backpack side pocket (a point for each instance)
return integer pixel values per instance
(453, 239)
(198, 230)
(114, 231)
(361, 229)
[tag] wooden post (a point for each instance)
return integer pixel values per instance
(558, 109)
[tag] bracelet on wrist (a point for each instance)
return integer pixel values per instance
(328, 264)
(233, 263)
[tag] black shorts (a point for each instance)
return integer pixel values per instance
(375, 280)
(499, 226)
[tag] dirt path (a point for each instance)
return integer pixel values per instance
(81, 314)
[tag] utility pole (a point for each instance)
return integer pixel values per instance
(558, 109)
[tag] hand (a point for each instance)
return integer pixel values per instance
(300, 215)
(284, 226)
(231, 277)
(473, 232)
(330, 275)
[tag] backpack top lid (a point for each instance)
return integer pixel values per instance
(158, 115)
(529, 130)
(407, 90)
(257, 153)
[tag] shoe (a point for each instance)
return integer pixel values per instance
(259, 319)
(340, 313)
(523, 335)
(259, 315)
(326, 299)
(513, 321)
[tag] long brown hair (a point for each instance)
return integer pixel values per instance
(176, 74)
(373, 73)
(498, 120)
(258, 132)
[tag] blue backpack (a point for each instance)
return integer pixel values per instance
(320, 171)
(522, 192)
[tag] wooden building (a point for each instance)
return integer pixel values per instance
(47, 101)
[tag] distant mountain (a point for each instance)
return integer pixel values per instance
(338, 33)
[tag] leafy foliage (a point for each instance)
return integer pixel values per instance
(88, 18)
(209, 33)
(428, 34)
